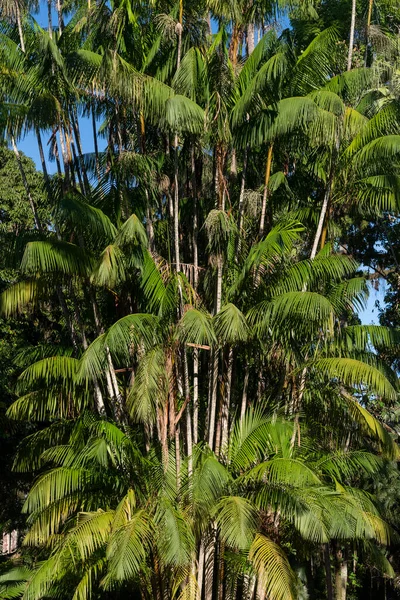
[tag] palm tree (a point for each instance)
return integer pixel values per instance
(206, 317)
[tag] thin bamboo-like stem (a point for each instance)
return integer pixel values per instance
(352, 28)
(49, 19)
(367, 31)
(265, 192)
(19, 25)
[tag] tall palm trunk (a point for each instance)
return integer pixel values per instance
(19, 25)
(96, 146)
(340, 575)
(176, 206)
(367, 31)
(43, 161)
(214, 358)
(49, 19)
(242, 188)
(250, 31)
(227, 402)
(328, 575)
(64, 153)
(321, 220)
(265, 193)
(60, 16)
(244, 393)
(176, 150)
(352, 28)
(195, 284)
(189, 435)
(75, 126)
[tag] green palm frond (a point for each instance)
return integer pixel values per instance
(196, 327)
(126, 548)
(13, 583)
(175, 540)
(273, 569)
(149, 388)
(132, 331)
(110, 270)
(356, 374)
(88, 220)
(19, 296)
(54, 256)
(230, 325)
(236, 519)
(131, 233)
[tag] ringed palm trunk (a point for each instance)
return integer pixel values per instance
(49, 19)
(265, 193)
(176, 155)
(60, 16)
(226, 403)
(64, 152)
(43, 161)
(367, 31)
(244, 393)
(96, 146)
(340, 575)
(19, 25)
(328, 575)
(321, 220)
(351, 39)
(195, 283)
(242, 188)
(250, 38)
(215, 359)
(75, 126)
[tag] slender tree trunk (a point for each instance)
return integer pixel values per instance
(60, 16)
(226, 403)
(19, 25)
(340, 575)
(367, 31)
(54, 144)
(250, 38)
(96, 147)
(176, 154)
(234, 45)
(189, 437)
(64, 153)
(43, 162)
(49, 19)
(200, 569)
(328, 575)
(244, 394)
(265, 193)
(352, 28)
(195, 395)
(176, 206)
(75, 126)
(195, 284)
(214, 393)
(321, 220)
(242, 188)
(176, 150)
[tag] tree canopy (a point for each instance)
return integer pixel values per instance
(191, 407)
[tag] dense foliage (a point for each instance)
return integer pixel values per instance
(190, 406)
